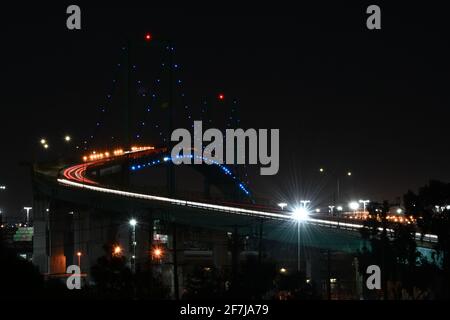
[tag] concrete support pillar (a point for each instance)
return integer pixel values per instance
(40, 237)
(57, 229)
(93, 229)
(220, 249)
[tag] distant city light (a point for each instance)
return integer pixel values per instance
(339, 208)
(321, 169)
(67, 138)
(221, 96)
(148, 37)
(399, 211)
(283, 270)
(349, 173)
(2, 187)
(46, 146)
(43, 141)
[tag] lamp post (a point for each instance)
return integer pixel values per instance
(133, 224)
(282, 205)
(331, 209)
(364, 202)
(79, 259)
(300, 214)
(28, 209)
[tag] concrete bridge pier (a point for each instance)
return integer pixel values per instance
(92, 231)
(40, 238)
(219, 241)
(59, 228)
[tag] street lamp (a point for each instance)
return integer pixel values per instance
(305, 202)
(67, 138)
(300, 214)
(282, 205)
(353, 205)
(331, 209)
(364, 202)
(28, 209)
(79, 259)
(133, 224)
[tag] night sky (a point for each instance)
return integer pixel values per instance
(343, 97)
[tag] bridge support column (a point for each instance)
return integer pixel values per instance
(57, 230)
(40, 238)
(220, 249)
(92, 230)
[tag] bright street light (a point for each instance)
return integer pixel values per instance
(282, 205)
(2, 187)
(300, 214)
(339, 208)
(349, 173)
(133, 224)
(353, 205)
(364, 202)
(399, 211)
(43, 141)
(79, 259)
(305, 202)
(28, 209)
(67, 138)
